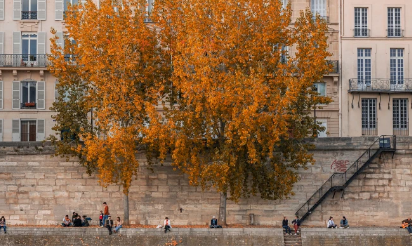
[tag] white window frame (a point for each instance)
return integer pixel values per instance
(30, 10)
(361, 22)
(369, 116)
(318, 7)
(394, 22)
(396, 68)
(29, 59)
(400, 114)
(320, 88)
(324, 123)
(364, 67)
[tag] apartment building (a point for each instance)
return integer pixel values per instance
(327, 115)
(376, 87)
(27, 89)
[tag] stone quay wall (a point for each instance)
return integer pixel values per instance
(203, 237)
(38, 189)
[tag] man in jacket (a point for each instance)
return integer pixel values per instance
(213, 223)
(105, 213)
(109, 224)
(285, 225)
(408, 224)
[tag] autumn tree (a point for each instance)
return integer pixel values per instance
(239, 103)
(108, 78)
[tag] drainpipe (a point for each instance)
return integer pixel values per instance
(340, 81)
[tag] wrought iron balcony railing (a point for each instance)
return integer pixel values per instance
(361, 32)
(9, 60)
(394, 32)
(335, 64)
(28, 105)
(380, 85)
(29, 15)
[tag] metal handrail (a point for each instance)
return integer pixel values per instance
(346, 177)
(24, 60)
(380, 85)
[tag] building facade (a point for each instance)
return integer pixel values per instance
(27, 89)
(327, 115)
(376, 87)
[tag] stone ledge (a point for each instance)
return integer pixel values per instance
(143, 231)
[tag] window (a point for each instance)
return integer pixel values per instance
(284, 3)
(28, 130)
(369, 121)
(284, 54)
(396, 68)
(29, 10)
(69, 2)
(29, 48)
(149, 9)
(322, 123)
(318, 7)
(400, 117)
(28, 95)
(394, 22)
(320, 88)
(361, 22)
(364, 67)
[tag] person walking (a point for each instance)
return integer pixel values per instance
(167, 225)
(105, 213)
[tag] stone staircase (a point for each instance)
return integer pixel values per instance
(292, 240)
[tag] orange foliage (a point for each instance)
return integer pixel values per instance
(235, 92)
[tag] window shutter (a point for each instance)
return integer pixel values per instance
(41, 43)
(41, 95)
(41, 9)
(40, 130)
(16, 43)
(41, 48)
(60, 41)
(15, 131)
(1, 9)
(16, 48)
(1, 94)
(1, 42)
(16, 95)
(16, 9)
(1, 130)
(59, 9)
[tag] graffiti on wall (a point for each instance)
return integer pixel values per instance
(340, 166)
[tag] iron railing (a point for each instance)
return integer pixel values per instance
(361, 32)
(394, 32)
(335, 64)
(29, 15)
(28, 105)
(339, 181)
(380, 85)
(9, 60)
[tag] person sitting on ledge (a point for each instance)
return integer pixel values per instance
(344, 223)
(3, 224)
(66, 221)
(85, 221)
(408, 225)
(109, 224)
(213, 223)
(118, 225)
(296, 224)
(77, 221)
(331, 223)
(285, 225)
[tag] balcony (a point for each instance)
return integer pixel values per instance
(361, 32)
(23, 60)
(380, 85)
(29, 15)
(335, 64)
(394, 32)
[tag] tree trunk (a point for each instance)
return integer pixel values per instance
(222, 208)
(126, 209)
